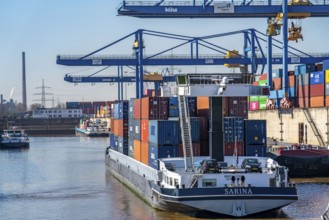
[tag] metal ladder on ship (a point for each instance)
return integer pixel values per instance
(185, 126)
(313, 126)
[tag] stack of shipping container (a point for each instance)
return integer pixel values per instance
(119, 127)
(308, 86)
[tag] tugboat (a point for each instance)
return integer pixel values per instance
(302, 160)
(14, 138)
(183, 184)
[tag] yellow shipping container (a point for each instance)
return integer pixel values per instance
(327, 76)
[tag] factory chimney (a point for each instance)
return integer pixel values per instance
(24, 82)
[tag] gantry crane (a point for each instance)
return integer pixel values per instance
(215, 54)
(277, 14)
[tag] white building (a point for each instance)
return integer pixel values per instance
(57, 113)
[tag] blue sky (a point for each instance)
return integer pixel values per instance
(44, 29)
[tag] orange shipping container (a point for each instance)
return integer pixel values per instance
(144, 129)
(277, 83)
(137, 108)
(145, 152)
(120, 127)
(149, 108)
(303, 102)
(263, 76)
(327, 100)
(303, 91)
(317, 101)
(112, 124)
(137, 150)
(292, 80)
(202, 102)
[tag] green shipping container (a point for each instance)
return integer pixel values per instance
(262, 82)
(262, 98)
(253, 98)
(262, 105)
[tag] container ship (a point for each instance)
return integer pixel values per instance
(149, 153)
(92, 128)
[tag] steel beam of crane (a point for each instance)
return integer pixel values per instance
(216, 9)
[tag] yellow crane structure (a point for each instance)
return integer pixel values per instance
(294, 31)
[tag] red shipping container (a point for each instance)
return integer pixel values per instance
(204, 148)
(253, 106)
(137, 108)
(163, 108)
(149, 108)
(255, 83)
(145, 152)
(292, 81)
(229, 148)
(225, 106)
(317, 101)
(303, 102)
(202, 102)
(204, 130)
(277, 83)
(144, 129)
(303, 91)
(238, 106)
(317, 90)
(196, 150)
(263, 76)
(291, 72)
(137, 150)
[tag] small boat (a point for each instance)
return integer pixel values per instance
(14, 138)
(302, 160)
(92, 128)
(325, 215)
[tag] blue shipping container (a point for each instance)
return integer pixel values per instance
(163, 132)
(276, 94)
(131, 108)
(137, 130)
(131, 147)
(325, 65)
(121, 110)
(195, 130)
(112, 140)
(277, 73)
(256, 150)
(317, 78)
(291, 92)
(255, 132)
(233, 129)
(116, 143)
(304, 68)
(157, 152)
(303, 79)
(123, 145)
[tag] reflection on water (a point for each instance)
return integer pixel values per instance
(65, 178)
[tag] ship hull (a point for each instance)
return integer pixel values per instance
(237, 202)
(304, 166)
(83, 132)
(14, 145)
